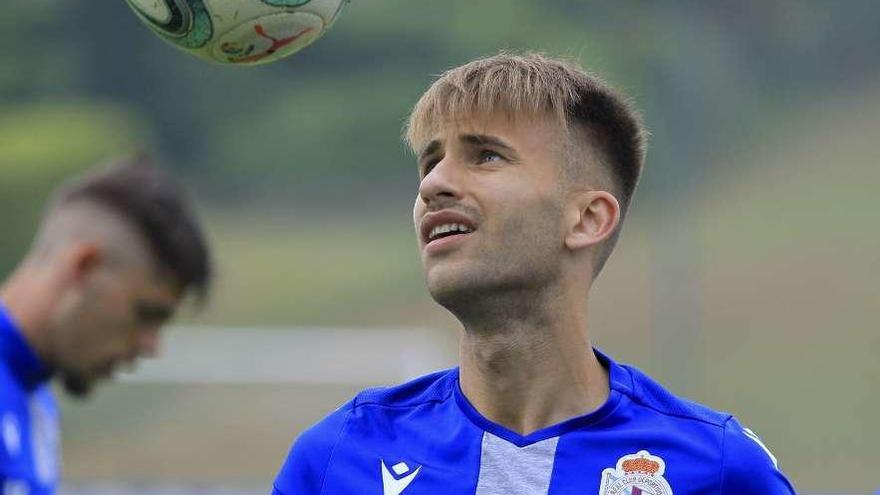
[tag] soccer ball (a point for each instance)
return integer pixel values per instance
(239, 31)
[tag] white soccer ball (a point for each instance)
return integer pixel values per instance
(239, 31)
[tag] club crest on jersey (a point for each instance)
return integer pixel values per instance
(636, 474)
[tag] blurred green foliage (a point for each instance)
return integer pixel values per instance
(42, 144)
(707, 76)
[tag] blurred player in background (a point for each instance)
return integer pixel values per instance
(527, 167)
(115, 253)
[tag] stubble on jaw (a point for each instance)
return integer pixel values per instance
(513, 282)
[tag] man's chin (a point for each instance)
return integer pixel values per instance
(78, 386)
(451, 290)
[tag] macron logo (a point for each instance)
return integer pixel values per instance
(395, 484)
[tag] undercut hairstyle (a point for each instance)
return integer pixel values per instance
(588, 111)
(147, 197)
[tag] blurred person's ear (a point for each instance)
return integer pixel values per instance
(83, 259)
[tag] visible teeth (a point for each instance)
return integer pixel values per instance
(446, 228)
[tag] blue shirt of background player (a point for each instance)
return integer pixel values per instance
(28, 417)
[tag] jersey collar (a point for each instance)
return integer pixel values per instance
(25, 366)
(618, 377)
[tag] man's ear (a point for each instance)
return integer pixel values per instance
(592, 218)
(82, 259)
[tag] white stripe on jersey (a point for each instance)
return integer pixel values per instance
(749, 433)
(506, 469)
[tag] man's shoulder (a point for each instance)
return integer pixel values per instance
(746, 464)
(647, 393)
(12, 407)
(306, 464)
(13, 395)
(434, 387)
(11, 392)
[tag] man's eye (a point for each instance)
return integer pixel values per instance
(489, 156)
(428, 166)
(150, 314)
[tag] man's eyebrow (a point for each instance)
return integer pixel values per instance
(483, 140)
(472, 139)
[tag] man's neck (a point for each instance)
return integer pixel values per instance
(530, 373)
(27, 308)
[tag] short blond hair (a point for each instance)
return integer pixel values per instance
(587, 109)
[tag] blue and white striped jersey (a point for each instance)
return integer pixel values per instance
(29, 440)
(425, 438)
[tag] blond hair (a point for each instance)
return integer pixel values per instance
(587, 109)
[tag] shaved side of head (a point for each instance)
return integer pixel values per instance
(89, 221)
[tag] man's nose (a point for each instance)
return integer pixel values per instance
(444, 180)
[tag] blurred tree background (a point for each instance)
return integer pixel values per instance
(746, 275)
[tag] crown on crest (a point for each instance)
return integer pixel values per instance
(641, 465)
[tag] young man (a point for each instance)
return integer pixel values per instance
(115, 253)
(527, 167)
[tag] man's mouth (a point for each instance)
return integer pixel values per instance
(445, 224)
(448, 230)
